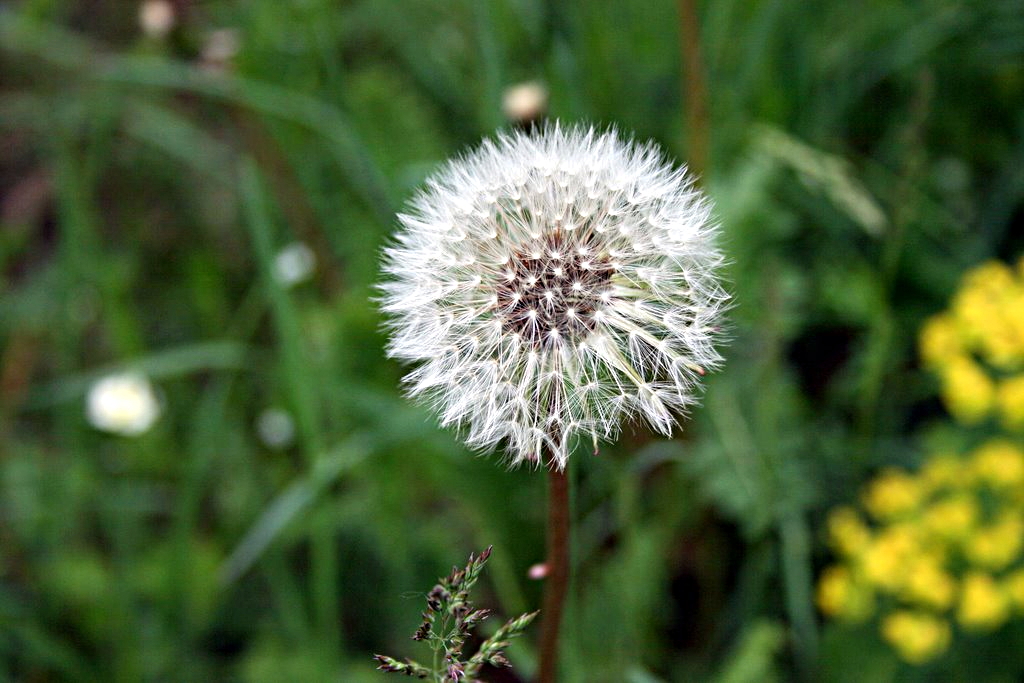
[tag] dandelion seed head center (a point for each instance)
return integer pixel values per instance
(551, 291)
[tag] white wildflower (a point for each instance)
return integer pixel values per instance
(156, 18)
(551, 286)
(123, 404)
(294, 264)
(276, 428)
(219, 50)
(524, 102)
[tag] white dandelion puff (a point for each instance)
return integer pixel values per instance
(552, 286)
(122, 404)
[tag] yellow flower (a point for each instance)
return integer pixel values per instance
(997, 545)
(951, 518)
(1013, 584)
(989, 310)
(977, 313)
(885, 559)
(982, 330)
(928, 584)
(991, 277)
(891, 494)
(917, 636)
(944, 470)
(847, 532)
(939, 340)
(966, 390)
(999, 347)
(840, 595)
(1014, 318)
(998, 463)
(1010, 400)
(983, 606)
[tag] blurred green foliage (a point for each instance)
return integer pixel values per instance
(863, 155)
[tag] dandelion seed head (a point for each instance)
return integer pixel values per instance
(552, 286)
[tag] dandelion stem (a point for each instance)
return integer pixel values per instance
(695, 92)
(557, 582)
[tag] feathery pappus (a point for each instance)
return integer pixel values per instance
(553, 285)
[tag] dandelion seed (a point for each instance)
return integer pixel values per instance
(122, 404)
(575, 330)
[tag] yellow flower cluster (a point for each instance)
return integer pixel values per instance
(931, 550)
(977, 346)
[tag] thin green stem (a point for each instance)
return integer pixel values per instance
(438, 644)
(795, 546)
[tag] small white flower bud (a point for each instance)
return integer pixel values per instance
(294, 264)
(276, 428)
(525, 102)
(219, 50)
(122, 404)
(156, 18)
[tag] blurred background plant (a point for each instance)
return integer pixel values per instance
(942, 561)
(977, 347)
(192, 200)
(947, 548)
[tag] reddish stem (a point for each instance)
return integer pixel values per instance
(695, 92)
(557, 581)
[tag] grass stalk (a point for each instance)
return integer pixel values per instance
(695, 90)
(301, 386)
